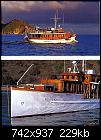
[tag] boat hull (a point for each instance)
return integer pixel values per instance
(25, 103)
(58, 41)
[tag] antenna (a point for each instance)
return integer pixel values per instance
(24, 74)
(75, 68)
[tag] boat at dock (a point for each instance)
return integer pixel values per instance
(74, 91)
(53, 35)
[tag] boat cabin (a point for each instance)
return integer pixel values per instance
(91, 84)
(52, 34)
(72, 81)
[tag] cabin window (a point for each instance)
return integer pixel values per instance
(87, 78)
(73, 77)
(49, 88)
(68, 77)
(35, 35)
(39, 35)
(30, 36)
(93, 79)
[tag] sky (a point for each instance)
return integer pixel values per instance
(43, 11)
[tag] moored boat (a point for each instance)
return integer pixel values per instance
(74, 91)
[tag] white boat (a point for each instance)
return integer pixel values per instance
(50, 38)
(68, 94)
(26, 102)
(51, 35)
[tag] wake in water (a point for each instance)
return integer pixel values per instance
(14, 42)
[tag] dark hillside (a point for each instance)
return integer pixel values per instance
(16, 26)
(12, 70)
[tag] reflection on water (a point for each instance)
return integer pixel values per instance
(81, 118)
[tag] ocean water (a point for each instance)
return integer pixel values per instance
(88, 45)
(81, 118)
(13, 45)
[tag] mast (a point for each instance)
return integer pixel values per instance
(83, 67)
(64, 66)
(63, 20)
(56, 19)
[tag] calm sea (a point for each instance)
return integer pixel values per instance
(88, 45)
(81, 118)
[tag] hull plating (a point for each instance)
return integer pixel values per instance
(25, 103)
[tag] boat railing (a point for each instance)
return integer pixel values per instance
(92, 91)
